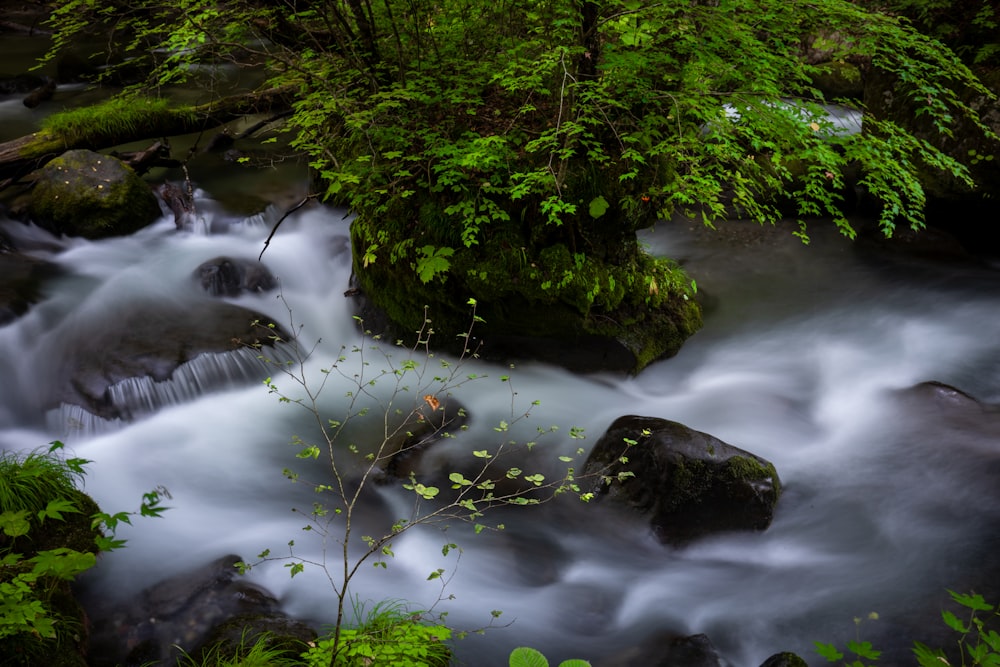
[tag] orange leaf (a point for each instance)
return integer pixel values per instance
(433, 402)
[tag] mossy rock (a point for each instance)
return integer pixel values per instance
(82, 193)
(68, 647)
(546, 301)
(690, 484)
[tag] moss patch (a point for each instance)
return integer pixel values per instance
(630, 312)
(82, 193)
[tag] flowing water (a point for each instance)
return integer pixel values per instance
(806, 357)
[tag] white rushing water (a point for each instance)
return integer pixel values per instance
(804, 350)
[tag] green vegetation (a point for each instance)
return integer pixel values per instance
(529, 657)
(389, 634)
(116, 117)
(399, 401)
(258, 653)
(978, 643)
(472, 137)
(50, 533)
(971, 28)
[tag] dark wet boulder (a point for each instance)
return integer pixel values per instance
(82, 193)
(689, 483)
(668, 649)
(786, 659)
(182, 613)
(21, 279)
(153, 342)
(238, 635)
(226, 276)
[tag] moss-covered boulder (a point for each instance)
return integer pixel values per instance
(690, 484)
(82, 193)
(550, 301)
(47, 538)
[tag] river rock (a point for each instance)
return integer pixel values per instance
(689, 483)
(785, 659)
(82, 193)
(667, 649)
(225, 276)
(150, 340)
(192, 609)
(21, 279)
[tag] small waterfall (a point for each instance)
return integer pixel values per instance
(138, 397)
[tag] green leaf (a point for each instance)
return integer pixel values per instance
(433, 262)
(829, 651)
(574, 662)
(598, 207)
(15, 524)
(974, 601)
(863, 650)
(954, 622)
(56, 507)
(524, 656)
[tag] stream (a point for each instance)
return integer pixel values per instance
(809, 357)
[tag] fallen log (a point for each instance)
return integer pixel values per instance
(23, 155)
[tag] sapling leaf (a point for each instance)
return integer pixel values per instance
(829, 651)
(524, 656)
(954, 622)
(973, 601)
(863, 650)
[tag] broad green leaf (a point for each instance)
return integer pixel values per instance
(524, 656)
(829, 651)
(973, 601)
(954, 622)
(598, 207)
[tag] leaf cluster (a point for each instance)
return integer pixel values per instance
(459, 122)
(978, 643)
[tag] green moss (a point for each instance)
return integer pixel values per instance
(645, 305)
(747, 468)
(82, 193)
(119, 116)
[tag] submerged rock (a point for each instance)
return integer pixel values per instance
(667, 649)
(199, 608)
(225, 276)
(689, 483)
(82, 193)
(21, 279)
(153, 340)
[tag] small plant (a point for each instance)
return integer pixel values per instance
(389, 634)
(529, 657)
(977, 644)
(259, 653)
(29, 482)
(862, 650)
(405, 396)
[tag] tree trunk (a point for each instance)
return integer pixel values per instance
(25, 154)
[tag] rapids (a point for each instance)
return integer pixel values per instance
(804, 359)
(805, 353)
